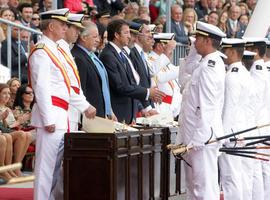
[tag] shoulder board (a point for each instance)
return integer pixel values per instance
(40, 46)
(211, 63)
(235, 69)
(268, 68)
(258, 67)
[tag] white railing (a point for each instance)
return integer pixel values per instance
(179, 52)
(20, 27)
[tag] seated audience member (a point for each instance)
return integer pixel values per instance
(36, 23)
(22, 106)
(235, 29)
(222, 22)
(244, 8)
(8, 124)
(189, 20)
(177, 26)
(35, 6)
(131, 11)
(213, 18)
(244, 19)
(159, 27)
(7, 14)
(14, 84)
(16, 49)
(6, 154)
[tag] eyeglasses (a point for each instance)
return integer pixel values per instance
(34, 19)
(28, 92)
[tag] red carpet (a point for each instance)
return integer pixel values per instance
(16, 193)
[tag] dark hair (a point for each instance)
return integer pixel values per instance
(101, 30)
(240, 51)
(213, 12)
(215, 43)
(115, 26)
(19, 100)
(2, 10)
(24, 5)
(261, 49)
(267, 53)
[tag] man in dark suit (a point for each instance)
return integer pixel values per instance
(15, 61)
(93, 75)
(234, 28)
(122, 86)
(138, 54)
(177, 26)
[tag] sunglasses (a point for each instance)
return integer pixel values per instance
(28, 92)
(34, 19)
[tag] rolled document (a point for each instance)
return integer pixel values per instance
(21, 179)
(10, 167)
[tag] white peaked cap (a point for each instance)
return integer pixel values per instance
(209, 30)
(249, 53)
(232, 42)
(255, 41)
(76, 19)
(60, 14)
(163, 36)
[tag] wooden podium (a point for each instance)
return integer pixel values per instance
(120, 166)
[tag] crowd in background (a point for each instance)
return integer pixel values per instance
(16, 100)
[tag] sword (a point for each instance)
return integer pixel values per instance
(257, 141)
(237, 133)
(250, 138)
(184, 149)
(239, 151)
(248, 156)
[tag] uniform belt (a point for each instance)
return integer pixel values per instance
(61, 103)
(167, 99)
(76, 90)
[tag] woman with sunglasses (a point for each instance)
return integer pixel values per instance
(22, 106)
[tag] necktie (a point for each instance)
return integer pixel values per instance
(145, 63)
(134, 72)
(105, 83)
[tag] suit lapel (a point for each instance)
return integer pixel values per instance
(139, 58)
(120, 61)
(83, 53)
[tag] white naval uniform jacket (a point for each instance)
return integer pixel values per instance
(260, 77)
(73, 113)
(202, 110)
(237, 98)
(165, 78)
(267, 64)
(48, 81)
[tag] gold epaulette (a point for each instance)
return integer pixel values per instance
(40, 46)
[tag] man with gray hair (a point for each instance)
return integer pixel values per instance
(49, 79)
(94, 78)
(177, 26)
